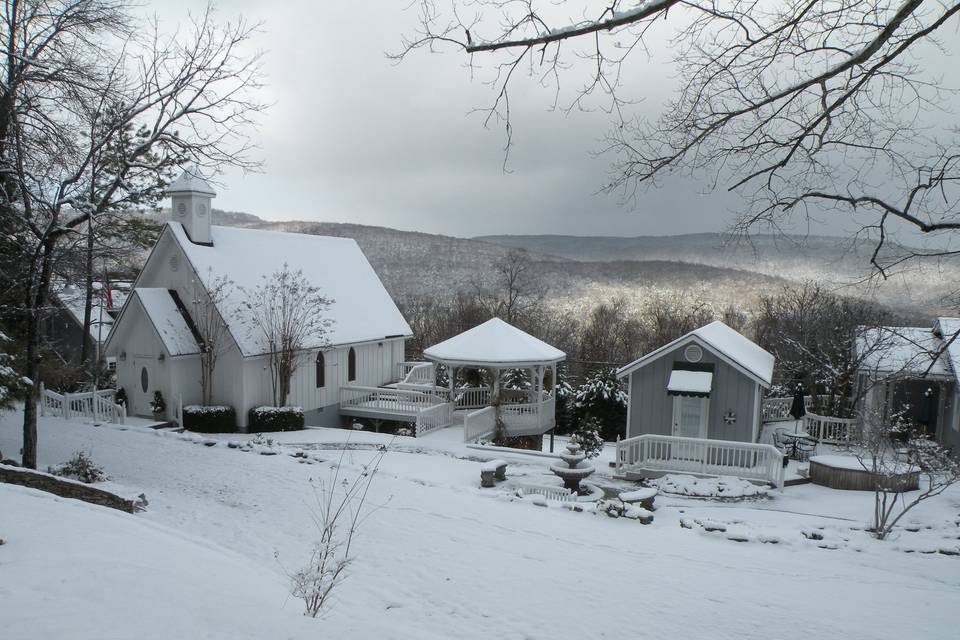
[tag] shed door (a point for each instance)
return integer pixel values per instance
(144, 384)
(690, 416)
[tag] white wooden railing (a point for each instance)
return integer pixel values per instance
(418, 374)
(479, 424)
(434, 418)
(827, 429)
(778, 409)
(391, 400)
(98, 404)
(532, 418)
(671, 454)
(471, 397)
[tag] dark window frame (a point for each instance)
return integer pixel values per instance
(321, 366)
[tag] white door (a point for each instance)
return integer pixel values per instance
(690, 416)
(144, 384)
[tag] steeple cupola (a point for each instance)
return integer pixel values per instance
(190, 200)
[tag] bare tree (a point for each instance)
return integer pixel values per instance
(800, 106)
(340, 509)
(890, 449)
(288, 315)
(209, 296)
(517, 291)
(78, 74)
(823, 341)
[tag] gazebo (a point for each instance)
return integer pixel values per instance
(496, 347)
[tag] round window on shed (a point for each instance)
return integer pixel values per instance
(693, 353)
(144, 379)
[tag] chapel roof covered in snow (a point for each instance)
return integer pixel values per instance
(165, 316)
(494, 343)
(741, 352)
(362, 309)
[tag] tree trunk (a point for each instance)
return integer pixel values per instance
(36, 300)
(88, 298)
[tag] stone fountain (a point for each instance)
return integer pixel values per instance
(576, 468)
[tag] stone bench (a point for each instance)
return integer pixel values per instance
(492, 471)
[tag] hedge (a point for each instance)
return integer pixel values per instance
(264, 419)
(209, 419)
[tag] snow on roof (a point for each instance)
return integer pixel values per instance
(743, 353)
(73, 300)
(737, 347)
(362, 310)
(950, 327)
(190, 182)
(168, 321)
(901, 350)
(494, 343)
(690, 382)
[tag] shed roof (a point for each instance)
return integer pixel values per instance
(362, 309)
(165, 316)
(494, 343)
(741, 352)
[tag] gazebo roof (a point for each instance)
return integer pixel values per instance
(494, 343)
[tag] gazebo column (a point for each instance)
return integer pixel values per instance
(451, 376)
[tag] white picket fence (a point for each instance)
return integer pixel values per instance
(99, 405)
(701, 456)
(559, 494)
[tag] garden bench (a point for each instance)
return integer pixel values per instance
(492, 471)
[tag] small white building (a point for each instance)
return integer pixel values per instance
(155, 340)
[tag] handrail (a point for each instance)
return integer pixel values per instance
(98, 404)
(478, 424)
(748, 460)
(828, 429)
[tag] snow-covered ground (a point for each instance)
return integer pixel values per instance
(441, 557)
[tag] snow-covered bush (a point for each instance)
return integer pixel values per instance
(158, 405)
(588, 437)
(405, 431)
(264, 419)
(209, 418)
(80, 467)
(602, 397)
(121, 396)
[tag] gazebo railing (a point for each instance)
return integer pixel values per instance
(532, 418)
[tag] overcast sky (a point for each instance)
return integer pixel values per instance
(353, 137)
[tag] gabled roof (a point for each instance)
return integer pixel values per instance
(362, 309)
(190, 181)
(730, 345)
(494, 343)
(162, 311)
(911, 351)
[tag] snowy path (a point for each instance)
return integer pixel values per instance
(442, 557)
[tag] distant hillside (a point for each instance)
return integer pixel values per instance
(582, 272)
(842, 262)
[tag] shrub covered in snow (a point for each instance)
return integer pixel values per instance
(80, 467)
(602, 397)
(721, 487)
(11, 384)
(209, 418)
(264, 419)
(588, 437)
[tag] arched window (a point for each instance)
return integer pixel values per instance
(351, 365)
(321, 370)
